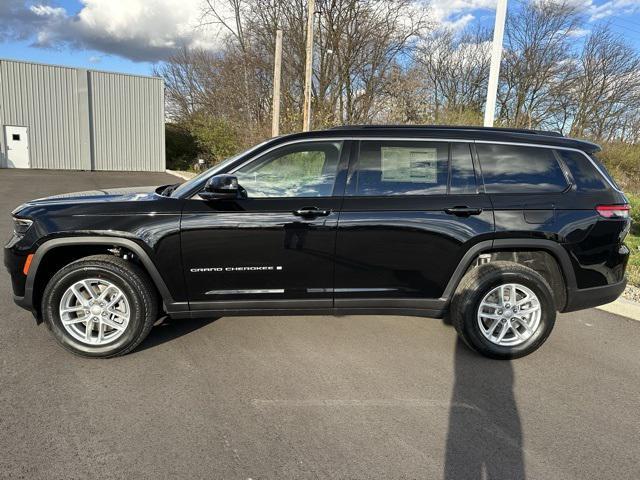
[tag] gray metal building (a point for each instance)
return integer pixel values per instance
(56, 117)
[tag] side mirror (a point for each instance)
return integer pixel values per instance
(220, 187)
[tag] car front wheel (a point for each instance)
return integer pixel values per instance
(100, 306)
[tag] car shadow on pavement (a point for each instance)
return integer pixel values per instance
(484, 439)
(167, 329)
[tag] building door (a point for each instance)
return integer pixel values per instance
(17, 142)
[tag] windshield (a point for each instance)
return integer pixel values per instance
(189, 184)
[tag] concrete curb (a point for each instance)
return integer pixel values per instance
(624, 308)
(182, 175)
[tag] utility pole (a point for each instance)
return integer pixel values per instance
(496, 56)
(277, 69)
(306, 114)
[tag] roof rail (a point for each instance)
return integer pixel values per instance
(451, 127)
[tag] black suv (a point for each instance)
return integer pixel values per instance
(494, 229)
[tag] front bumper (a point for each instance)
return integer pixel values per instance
(579, 299)
(23, 302)
(14, 263)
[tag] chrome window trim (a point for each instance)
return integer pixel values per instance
(344, 138)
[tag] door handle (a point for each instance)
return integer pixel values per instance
(310, 212)
(463, 211)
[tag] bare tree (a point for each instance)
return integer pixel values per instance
(383, 61)
(538, 62)
(455, 67)
(607, 90)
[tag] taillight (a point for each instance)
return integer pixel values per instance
(613, 211)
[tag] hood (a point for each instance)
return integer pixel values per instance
(129, 194)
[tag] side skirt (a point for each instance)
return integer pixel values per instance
(241, 312)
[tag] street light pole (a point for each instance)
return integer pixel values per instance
(496, 56)
(277, 69)
(306, 114)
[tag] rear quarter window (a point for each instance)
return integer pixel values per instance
(604, 171)
(585, 174)
(520, 169)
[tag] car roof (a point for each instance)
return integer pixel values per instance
(471, 133)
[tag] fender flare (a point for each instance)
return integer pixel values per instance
(49, 245)
(487, 246)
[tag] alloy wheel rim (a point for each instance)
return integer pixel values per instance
(94, 311)
(509, 315)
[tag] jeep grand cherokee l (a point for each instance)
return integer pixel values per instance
(496, 229)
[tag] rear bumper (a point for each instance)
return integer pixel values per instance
(579, 299)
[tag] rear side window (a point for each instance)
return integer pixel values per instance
(585, 174)
(400, 168)
(516, 169)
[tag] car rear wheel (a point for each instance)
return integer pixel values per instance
(100, 306)
(503, 310)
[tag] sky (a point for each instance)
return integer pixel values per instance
(133, 35)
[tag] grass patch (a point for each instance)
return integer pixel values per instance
(633, 267)
(633, 241)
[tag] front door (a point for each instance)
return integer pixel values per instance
(410, 212)
(273, 249)
(17, 143)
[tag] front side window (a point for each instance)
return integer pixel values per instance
(400, 168)
(298, 170)
(516, 169)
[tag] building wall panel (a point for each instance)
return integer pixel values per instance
(84, 120)
(127, 118)
(44, 99)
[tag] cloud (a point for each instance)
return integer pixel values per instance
(610, 8)
(457, 14)
(141, 30)
(459, 23)
(579, 32)
(48, 11)
(16, 20)
(151, 30)
(613, 8)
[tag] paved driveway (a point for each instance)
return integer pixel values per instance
(311, 397)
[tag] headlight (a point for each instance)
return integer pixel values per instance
(20, 226)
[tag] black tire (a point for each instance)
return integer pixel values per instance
(129, 278)
(479, 282)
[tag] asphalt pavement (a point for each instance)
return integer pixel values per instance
(352, 397)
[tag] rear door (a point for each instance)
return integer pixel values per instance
(274, 248)
(411, 210)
